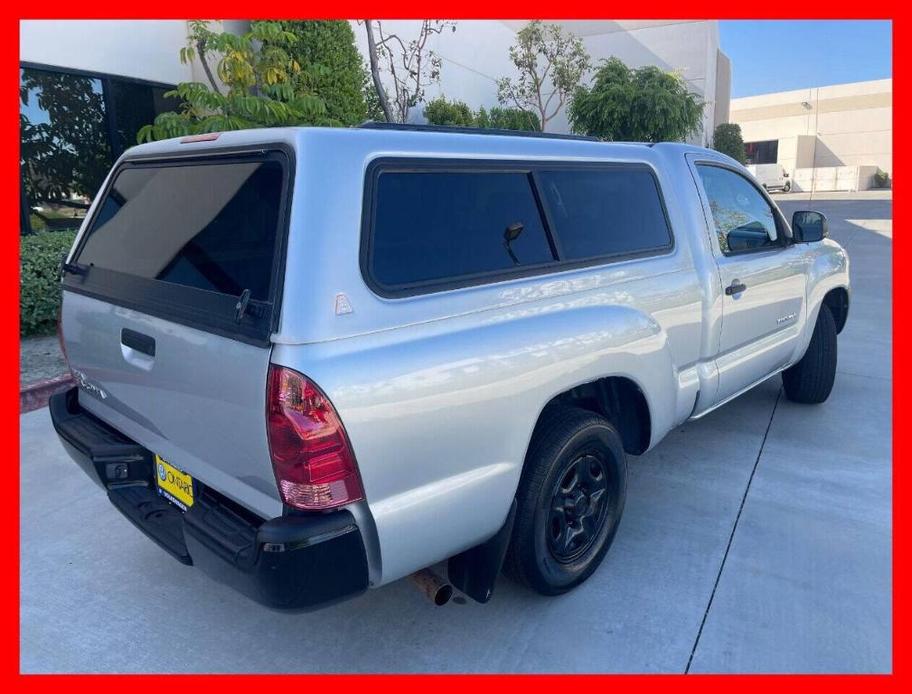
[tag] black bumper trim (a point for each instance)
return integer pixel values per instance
(295, 562)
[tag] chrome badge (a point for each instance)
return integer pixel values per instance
(83, 382)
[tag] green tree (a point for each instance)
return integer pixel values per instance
(439, 111)
(727, 139)
(260, 84)
(646, 104)
(550, 63)
(331, 67)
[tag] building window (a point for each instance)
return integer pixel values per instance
(765, 152)
(72, 127)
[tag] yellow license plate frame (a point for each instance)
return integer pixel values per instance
(173, 484)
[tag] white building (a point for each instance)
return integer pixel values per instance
(476, 54)
(116, 72)
(826, 138)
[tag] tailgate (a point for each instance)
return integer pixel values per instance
(170, 297)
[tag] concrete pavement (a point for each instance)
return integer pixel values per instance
(755, 539)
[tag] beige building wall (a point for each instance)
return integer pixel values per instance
(839, 125)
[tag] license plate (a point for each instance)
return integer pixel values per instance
(174, 485)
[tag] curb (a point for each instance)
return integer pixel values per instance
(35, 395)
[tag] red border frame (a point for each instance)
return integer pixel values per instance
(467, 9)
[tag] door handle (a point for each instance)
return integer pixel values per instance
(736, 287)
(138, 341)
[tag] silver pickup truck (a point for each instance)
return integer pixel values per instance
(312, 361)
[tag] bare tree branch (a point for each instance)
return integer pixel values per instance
(375, 72)
(411, 65)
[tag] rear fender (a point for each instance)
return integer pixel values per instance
(440, 415)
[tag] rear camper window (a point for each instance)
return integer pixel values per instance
(209, 226)
(189, 240)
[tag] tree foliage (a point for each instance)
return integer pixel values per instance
(727, 139)
(331, 67)
(508, 119)
(440, 111)
(550, 63)
(410, 65)
(645, 104)
(260, 83)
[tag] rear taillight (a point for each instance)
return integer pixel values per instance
(312, 459)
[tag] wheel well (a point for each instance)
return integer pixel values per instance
(837, 300)
(616, 398)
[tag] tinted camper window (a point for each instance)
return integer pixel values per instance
(208, 226)
(437, 226)
(605, 212)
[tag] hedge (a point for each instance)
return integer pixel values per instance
(39, 279)
(440, 111)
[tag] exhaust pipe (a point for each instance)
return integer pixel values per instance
(433, 586)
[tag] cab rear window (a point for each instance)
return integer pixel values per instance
(208, 226)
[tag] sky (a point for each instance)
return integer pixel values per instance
(779, 55)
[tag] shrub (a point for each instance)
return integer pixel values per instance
(39, 279)
(442, 112)
(331, 67)
(881, 179)
(727, 139)
(439, 111)
(512, 119)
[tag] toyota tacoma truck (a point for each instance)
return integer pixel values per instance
(312, 361)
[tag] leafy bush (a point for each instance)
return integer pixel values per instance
(457, 113)
(39, 284)
(881, 179)
(645, 104)
(331, 67)
(439, 111)
(512, 119)
(727, 139)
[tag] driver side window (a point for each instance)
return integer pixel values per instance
(743, 219)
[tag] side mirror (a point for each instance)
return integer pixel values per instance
(808, 227)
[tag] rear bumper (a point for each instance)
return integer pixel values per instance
(295, 562)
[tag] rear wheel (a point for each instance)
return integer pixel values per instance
(569, 501)
(811, 379)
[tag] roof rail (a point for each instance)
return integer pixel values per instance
(466, 130)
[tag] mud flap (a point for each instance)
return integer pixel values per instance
(475, 571)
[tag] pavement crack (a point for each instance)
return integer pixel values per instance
(731, 536)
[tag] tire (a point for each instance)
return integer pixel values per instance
(552, 552)
(811, 379)
(787, 187)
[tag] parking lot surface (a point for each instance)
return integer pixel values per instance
(757, 539)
